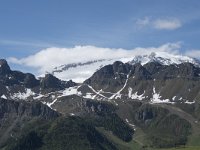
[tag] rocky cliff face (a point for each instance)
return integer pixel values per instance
(18, 85)
(25, 109)
(137, 92)
(15, 114)
(152, 82)
(4, 68)
(53, 83)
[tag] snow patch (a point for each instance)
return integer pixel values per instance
(98, 93)
(116, 103)
(135, 95)
(71, 91)
(188, 102)
(72, 114)
(50, 104)
(132, 125)
(89, 96)
(79, 72)
(23, 95)
(3, 96)
(157, 98)
(38, 96)
(118, 94)
(163, 58)
(174, 98)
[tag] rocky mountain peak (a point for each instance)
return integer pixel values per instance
(163, 58)
(81, 71)
(30, 81)
(152, 67)
(50, 81)
(4, 67)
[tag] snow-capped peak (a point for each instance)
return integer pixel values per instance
(163, 58)
(81, 71)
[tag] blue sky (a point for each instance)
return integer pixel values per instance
(27, 26)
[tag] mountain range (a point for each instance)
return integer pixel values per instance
(141, 102)
(81, 71)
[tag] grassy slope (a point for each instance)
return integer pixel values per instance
(139, 136)
(135, 144)
(60, 134)
(181, 148)
(132, 145)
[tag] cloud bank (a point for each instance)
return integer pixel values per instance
(160, 24)
(169, 24)
(193, 53)
(47, 59)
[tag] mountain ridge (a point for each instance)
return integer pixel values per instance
(119, 97)
(82, 70)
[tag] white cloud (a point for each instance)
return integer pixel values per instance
(167, 24)
(160, 24)
(143, 22)
(47, 59)
(193, 53)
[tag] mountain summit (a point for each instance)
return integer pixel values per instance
(81, 71)
(163, 58)
(4, 68)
